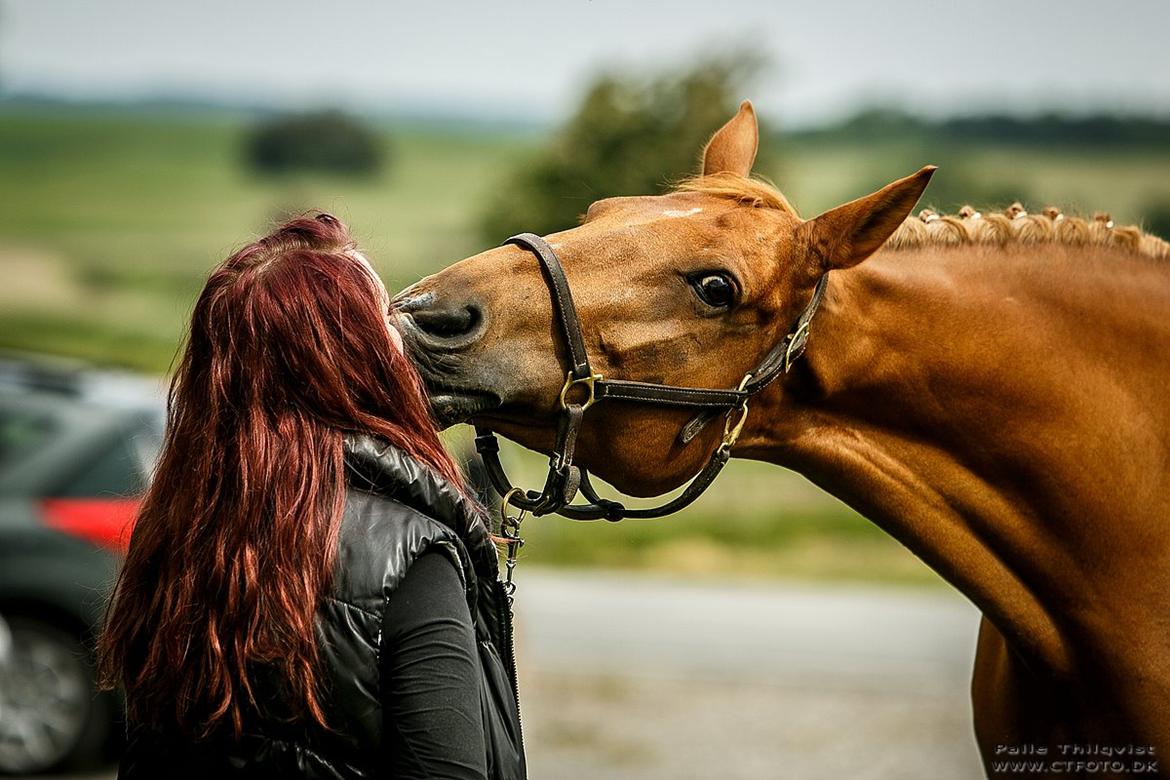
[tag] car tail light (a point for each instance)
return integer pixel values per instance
(106, 522)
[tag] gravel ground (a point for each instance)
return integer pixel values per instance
(594, 727)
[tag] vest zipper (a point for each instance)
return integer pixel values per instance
(510, 646)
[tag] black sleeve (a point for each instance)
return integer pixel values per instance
(431, 677)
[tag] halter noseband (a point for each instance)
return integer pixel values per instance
(564, 479)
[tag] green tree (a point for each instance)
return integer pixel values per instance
(628, 137)
(1157, 218)
(324, 141)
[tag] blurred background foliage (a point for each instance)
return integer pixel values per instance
(627, 136)
(324, 141)
(113, 216)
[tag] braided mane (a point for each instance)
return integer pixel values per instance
(1013, 225)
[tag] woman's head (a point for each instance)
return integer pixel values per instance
(298, 324)
(291, 346)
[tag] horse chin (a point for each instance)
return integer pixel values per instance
(532, 434)
(637, 486)
(640, 481)
(450, 407)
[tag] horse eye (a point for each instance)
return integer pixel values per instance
(714, 289)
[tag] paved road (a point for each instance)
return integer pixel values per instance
(847, 637)
(649, 678)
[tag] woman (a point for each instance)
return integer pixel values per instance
(309, 592)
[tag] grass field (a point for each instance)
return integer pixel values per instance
(112, 220)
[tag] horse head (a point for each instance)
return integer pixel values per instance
(690, 288)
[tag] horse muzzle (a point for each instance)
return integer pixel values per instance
(439, 334)
(441, 324)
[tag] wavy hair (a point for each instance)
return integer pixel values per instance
(234, 545)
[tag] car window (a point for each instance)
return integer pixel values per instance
(146, 441)
(22, 433)
(115, 471)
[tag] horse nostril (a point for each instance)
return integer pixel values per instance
(448, 323)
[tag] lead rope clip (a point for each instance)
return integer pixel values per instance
(510, 530)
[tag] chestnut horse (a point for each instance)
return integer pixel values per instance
(990, 390)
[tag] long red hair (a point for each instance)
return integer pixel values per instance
(234, 546)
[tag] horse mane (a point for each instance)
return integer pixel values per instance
(754, 192)
(1013, 225)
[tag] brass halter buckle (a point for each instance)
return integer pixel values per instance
(588, 382)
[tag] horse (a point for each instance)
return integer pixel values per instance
(991, 390)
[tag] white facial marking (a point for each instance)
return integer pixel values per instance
(680, 213)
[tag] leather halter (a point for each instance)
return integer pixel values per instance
(564, 479)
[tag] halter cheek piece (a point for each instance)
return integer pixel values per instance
(564, 479)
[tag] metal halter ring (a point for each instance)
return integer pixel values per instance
(506, 501)
(587, 381)
(731, 431)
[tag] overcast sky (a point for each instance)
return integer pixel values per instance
(502, 57)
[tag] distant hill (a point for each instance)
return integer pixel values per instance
(1115, 130)
(868, 125)
(413, 117)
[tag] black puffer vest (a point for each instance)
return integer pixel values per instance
(396, 509)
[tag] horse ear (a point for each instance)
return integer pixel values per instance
(846, 235)
(733, 147)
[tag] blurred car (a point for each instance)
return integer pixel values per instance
(76, 449)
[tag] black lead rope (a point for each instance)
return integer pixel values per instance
(565, 480)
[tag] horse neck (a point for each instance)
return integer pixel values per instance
(997, 411)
